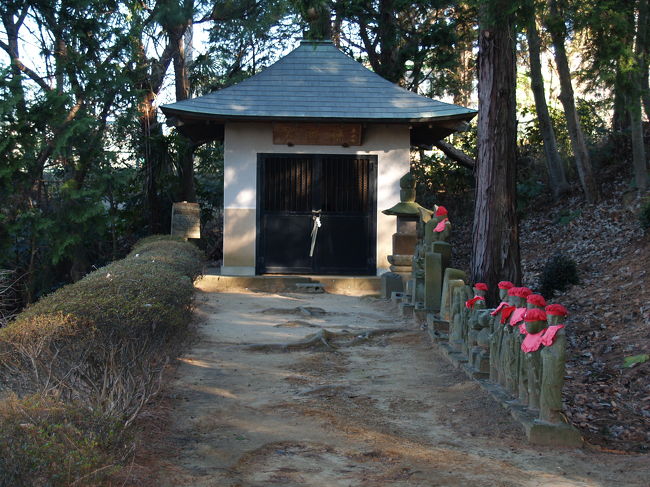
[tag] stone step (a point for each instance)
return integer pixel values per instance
(310, 287)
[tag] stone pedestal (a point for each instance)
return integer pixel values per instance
(446, 299)
(433, 281)
(404, 242)
(444, 249)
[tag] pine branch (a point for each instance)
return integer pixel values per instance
(27, 71)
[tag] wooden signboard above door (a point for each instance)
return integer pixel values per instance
(345, 134)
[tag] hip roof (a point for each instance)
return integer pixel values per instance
(317, 81)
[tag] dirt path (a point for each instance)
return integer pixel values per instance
(386, 412)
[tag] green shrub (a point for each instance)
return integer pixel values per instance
(559, 272)
(183, 257)
(143, 242)
(44, 442)
(565, 216)
(644, 215)
(527, 192)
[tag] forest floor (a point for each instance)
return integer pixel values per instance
(609, 309)
(379, 409)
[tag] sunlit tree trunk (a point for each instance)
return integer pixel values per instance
(636, 129)
(182, 84)
(556, 175)
(557, 29)
(495, 237)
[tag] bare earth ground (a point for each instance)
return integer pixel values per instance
(387, 411)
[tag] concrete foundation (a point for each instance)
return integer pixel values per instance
(352, 286)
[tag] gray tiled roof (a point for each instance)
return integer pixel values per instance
(317, 81)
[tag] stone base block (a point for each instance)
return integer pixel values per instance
(406, 309)
(401, 260)
(436, 323)
(548, 434)
(396, 296)
(401, 269)
(457, 359)
(538, 432)
(390, 283)
(472, 372)
(419, 314)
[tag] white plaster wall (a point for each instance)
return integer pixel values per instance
(243, 141)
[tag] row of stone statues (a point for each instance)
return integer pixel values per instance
(520, 344)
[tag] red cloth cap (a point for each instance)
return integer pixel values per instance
(481, 286)
(520, 292)
(557, 310)
(441, 211)
(535, 314)
(536, 299)
(506, 285)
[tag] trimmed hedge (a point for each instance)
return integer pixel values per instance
(100, 344)
(47, 443)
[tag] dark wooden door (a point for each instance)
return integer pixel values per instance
(292, 190)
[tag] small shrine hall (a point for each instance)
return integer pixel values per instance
(314, 147)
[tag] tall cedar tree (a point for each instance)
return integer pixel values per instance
(495, 241)
(413, 44)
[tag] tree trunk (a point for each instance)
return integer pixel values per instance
(645, 72)
(555, 25)
(495, 241)
(12, 28)
(152, 150)
(152, 156)
(638, 149)
(182, 83)
(465, 72)
(455, 154)
(556, 176)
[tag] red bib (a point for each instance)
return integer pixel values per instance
(499, 308)
(532, 342)
(517, 316)
(549, 335)
(471, 302)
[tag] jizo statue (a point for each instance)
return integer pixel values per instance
(553, 365)
(535, 323)
(496, 364)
